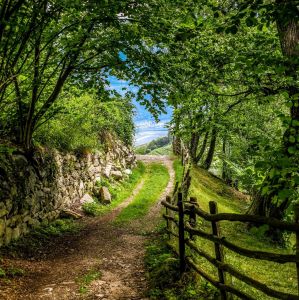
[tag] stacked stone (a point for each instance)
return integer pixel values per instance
(35, 190)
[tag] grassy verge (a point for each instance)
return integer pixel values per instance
(178, 168)
(40, 238)
(206, 188)
(162, 267)
(9, 272)
(119, 192)
(156, 179)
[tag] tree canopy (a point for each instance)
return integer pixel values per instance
(228, 68)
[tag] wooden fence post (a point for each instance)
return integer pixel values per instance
(296, 214)
(181, 233)
(192, 216)
(168, 213)
(218, 248)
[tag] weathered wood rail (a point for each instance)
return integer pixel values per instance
(188, 230)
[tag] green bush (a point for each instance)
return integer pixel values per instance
(165, 282)
(81, 122)
(92, 209)
(57, 228)
(41, 237)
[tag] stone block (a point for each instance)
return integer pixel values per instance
(86, 199)
(107, 170)
(128, 171)
(105, 195)
(117, 175)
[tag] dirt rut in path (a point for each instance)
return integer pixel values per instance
(117, 253)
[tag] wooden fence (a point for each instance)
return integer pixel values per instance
(187, 230)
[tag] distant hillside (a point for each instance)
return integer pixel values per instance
(160, 146)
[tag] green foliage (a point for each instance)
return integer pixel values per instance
(87, 279)
(141, 149)
(178, 168)
(162, 267)
(7, 149)
(83, 122)
(205, 188)
(75, 44)
(41, 236)
(92, 209)
(11, 272)
(156, 179)
(119, 192)
(236, 74)
(15, 272)
(155, 147)
(165, 150)
(57, 228)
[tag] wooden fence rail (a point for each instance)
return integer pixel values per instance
(188, 231)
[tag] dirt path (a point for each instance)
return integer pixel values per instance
(117, 252)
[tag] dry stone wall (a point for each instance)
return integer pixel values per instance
(35, 190)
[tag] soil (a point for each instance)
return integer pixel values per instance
(116, 252)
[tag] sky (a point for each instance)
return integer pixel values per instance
(146, 127)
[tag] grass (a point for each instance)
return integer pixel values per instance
(11, 272)
(85, 280)
(162, 267)
(141, 149)
(41, 237)
(165, 150)
(178, 168)
(206, 188)
(119, 192)
(156, 179)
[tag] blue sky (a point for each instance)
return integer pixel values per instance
(146, 127)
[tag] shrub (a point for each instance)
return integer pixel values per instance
(82, 120)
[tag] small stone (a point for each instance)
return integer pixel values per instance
(86, 199)
(117, 175)
(128, 171)
(107, 170)
(105, 195)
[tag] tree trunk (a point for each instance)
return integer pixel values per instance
(210, 155)
(176, 145)
(202, 148)
(288, 30)
(226, 174)
(193, 146)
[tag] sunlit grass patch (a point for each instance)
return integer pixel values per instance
(282, 277)
(119, 192)
(178, 168)
(85, 280)
(156, 180)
